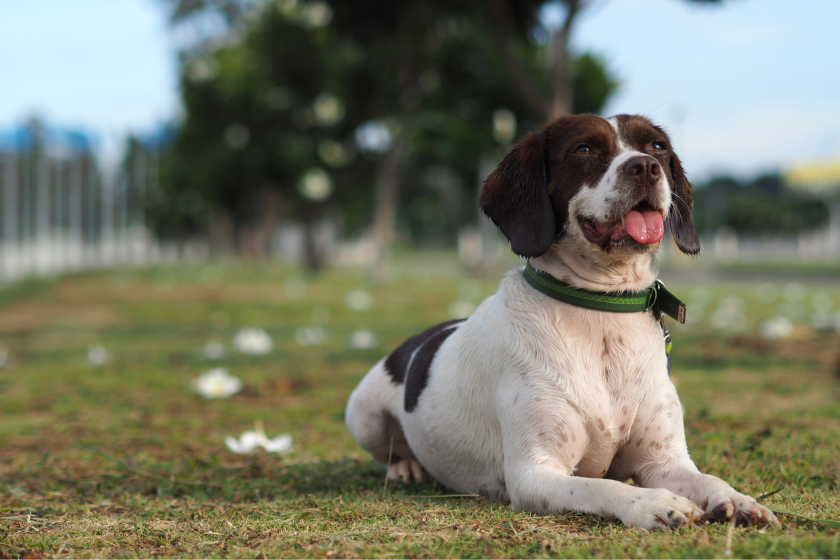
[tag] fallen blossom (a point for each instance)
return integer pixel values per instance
(214, 350)
(97, 355)
(216, 383)
(252, 340)
(822, 321)
(775, 328)
(730, 314)
(252, 439)
(310, 336)
(362, 339)
(358, 300)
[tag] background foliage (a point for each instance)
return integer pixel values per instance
(434, 81)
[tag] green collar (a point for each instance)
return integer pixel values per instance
(655, 297)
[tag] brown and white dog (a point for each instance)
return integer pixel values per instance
(535, 401)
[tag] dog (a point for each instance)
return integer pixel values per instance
(539, 402)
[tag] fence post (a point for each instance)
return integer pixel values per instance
(11, 234)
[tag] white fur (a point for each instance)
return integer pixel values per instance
(549, 405)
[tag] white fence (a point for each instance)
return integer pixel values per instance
(59, 212)
(822, 245)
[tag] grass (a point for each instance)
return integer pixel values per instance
(826, 269)
(122, 460)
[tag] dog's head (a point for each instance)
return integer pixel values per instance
(609, 183)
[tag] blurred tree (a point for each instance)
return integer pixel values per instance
(268, 131)
(420, 87)
(592, 84)
(763, 206)
(515, 18)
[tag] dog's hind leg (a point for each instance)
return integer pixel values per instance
(372, 417)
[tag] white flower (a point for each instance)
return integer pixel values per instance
(504, 125)
(252, 439)
(252, 340)
(358, 300)
(334, 153)
(310, 336)
(794, 292)
(237, 135)
(328, 109)
(374, 136)
(216, 383)
(316, 14)
(730, 314)
(202, 70)
(822, 321)
(362, 339)
(97, 355)
(316, 184)
(775, 328)
(822, 301)
(214, 350)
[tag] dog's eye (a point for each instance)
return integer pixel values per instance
(659, 145)
(584, 149)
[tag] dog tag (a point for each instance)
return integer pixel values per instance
(669, 345)
(669, 303)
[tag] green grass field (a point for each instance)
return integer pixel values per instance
(124, 460)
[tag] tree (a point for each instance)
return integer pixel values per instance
(513, 20)
(763, 206)
(424, 74)
(267, 134)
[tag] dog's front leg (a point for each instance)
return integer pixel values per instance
(657, 457)
(542, 448)
(551, 489)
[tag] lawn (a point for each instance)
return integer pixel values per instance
(123, 459)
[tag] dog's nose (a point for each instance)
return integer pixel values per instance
(643, 168)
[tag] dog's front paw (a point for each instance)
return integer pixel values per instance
(408, 470)
(722, 505)
(656, 509)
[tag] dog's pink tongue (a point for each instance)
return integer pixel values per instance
(645, 226)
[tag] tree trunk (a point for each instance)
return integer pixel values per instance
(222, 235)
(560, 68)
(314, 254)
(272, 209)
(387, 187)
(488, 232)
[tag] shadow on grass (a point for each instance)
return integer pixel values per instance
(255, 478)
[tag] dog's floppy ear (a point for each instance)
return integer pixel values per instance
(681, 222)
(515, 198)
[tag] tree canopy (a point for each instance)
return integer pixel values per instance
(762, 206)
(294, 106)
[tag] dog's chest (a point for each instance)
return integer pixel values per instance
(610, 362)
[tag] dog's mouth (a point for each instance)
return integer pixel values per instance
(643, 223)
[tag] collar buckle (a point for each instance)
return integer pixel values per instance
(653, 295)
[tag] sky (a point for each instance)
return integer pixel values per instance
(105, 66)
(747, 87)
